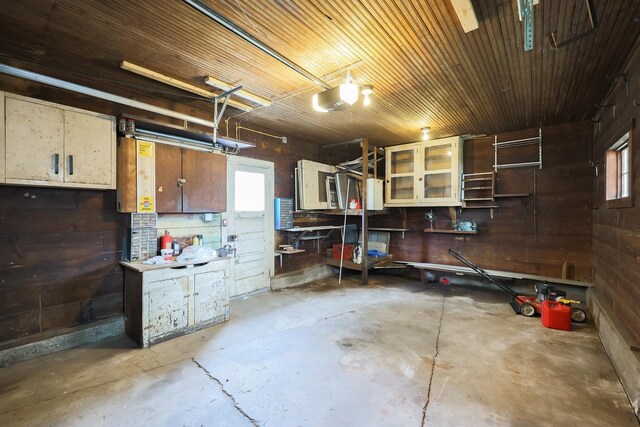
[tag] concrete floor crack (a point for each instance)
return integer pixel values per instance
(253, 421)
(433, 364)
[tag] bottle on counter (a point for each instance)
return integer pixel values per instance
(176, 247)
(195, 241)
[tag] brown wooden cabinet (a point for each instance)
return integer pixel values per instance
(189, 181)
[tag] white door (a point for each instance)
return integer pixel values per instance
(250, 219)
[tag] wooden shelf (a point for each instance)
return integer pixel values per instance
(512, 195)
(445, 231)
(347, 263)
(481, 207)
(388, 229)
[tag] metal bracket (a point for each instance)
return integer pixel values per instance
(525, 8)
(593, 20)
(217, 116)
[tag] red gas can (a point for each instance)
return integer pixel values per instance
(556, 315)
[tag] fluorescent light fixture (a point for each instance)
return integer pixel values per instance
(425, 132)
(241, 93)
(366, 91)
(337, 98)
(153, 75)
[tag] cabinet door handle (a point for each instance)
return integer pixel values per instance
(181, 182)
(56, 163)
(70, 162)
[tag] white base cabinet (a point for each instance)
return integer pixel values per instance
(162, 303)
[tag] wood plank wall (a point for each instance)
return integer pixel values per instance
(616, 231)
(59, 259)
(507, 241)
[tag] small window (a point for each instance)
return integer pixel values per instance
(619, 177)
(249, 192)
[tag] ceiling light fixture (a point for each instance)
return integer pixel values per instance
(349, 90)
(337, 98)
(425, 132)
(366, 91)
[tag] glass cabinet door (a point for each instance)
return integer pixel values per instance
(437, 173)
(401, 175)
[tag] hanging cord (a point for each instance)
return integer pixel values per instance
(344, 230)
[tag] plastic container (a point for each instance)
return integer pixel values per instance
(337, 251)
(556, 315)
(167, 254)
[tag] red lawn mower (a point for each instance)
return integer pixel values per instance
(528, 305)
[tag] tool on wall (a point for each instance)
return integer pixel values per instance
(593, 20)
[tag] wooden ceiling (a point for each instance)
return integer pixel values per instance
(425, 70)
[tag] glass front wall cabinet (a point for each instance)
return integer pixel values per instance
(424, 174)
(401, 169)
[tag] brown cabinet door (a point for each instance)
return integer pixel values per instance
(205, 189)
(168, 176)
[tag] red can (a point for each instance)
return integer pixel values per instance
(556, 315)
(166, 241)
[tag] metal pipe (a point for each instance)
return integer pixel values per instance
(283, 138)
(62, 84)
(215, 16)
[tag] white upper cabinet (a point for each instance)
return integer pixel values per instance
(47, 144)
(424, 173)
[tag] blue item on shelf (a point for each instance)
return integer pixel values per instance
(374, 253)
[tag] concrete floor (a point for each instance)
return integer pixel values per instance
(391, 354)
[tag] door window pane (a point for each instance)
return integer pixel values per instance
(249, 192)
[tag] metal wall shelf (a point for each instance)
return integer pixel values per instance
(518, 143)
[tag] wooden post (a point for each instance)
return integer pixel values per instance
(365, 218)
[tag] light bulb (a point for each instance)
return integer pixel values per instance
(366, 91)
(425, 132)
